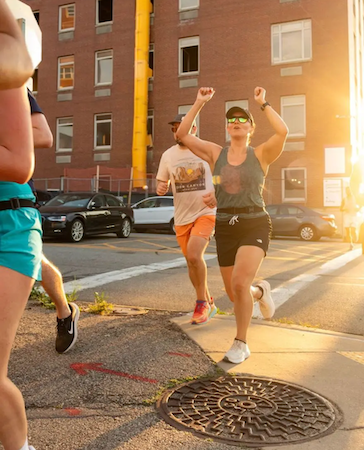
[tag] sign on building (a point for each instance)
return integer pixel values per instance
(335, 160)
(333, 189)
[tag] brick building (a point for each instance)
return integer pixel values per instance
(308, 54)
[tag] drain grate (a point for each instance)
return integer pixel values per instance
(249, 411)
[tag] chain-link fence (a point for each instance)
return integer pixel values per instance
(103, 183)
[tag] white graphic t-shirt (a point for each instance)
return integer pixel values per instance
(190, 179)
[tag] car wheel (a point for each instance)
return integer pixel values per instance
(77, 231)
(125, 229)
(308, 233)
(172, 227)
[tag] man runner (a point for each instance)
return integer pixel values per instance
(190, 178)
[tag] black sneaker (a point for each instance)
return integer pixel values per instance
(67, 330)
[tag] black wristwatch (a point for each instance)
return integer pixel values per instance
(264, 106)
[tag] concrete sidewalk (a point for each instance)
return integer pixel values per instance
(327, 363)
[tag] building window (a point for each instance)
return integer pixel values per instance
(242, 104)
(294, 182)
(184, 110)
(188, 4)
(36, 15)
(291, 42)
(104, 11)
(35, 81)
(189, 55)
(151, 57)
(67, 16)
(104, 67)
(150, 128)
(152, 12)
(66, 67)
(64, 142)
(293, 111)
(102, 131)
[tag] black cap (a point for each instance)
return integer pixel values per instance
(243, 111)
(177, 119)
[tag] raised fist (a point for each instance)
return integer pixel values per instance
(205, 94)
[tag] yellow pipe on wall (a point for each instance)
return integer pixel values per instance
(141, 74)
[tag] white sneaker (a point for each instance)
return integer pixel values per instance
(238, 352)
(266, 304)
(31, 448)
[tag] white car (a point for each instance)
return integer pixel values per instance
(154, 212)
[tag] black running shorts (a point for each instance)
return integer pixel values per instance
(231, 234)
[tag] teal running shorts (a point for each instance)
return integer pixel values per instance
(21, 241)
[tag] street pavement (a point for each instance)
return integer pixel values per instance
(325, 299)
(101, 395)
(327, 363)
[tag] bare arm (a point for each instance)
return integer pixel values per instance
(270, 150)
(42, 134)
(163, 176)
(16, 139)
(206, 150)
(162, 187)
(15, 63)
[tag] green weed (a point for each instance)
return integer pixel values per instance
(39, 295)
(72, 297)
(100, 305)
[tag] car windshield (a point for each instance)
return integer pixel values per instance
(69, 200)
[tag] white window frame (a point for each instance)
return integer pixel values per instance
(290, 200)
(183, 109)
(281, 28)
(184, 43)
(295, 100)
(59, 73)
(229, 104)
(58, 125)
(98, 23)
(97, 59)
(60, 30)
(97, 120)
(187, 8)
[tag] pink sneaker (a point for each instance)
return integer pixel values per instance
(201, 313)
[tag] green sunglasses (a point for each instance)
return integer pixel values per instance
(240, 119)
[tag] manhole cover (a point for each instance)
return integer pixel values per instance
(249, 411)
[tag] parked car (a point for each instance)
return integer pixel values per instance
(134, 197)
(295, 220)
(76, 214)
(155, 213)
(43, 197)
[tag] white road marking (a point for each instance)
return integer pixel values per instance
(123, 274)
(288, 289)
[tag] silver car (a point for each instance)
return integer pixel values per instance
(154, 213)
(295, 220)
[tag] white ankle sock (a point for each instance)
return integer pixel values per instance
(25, 446)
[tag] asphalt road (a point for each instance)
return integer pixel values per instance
(101, 395)
(148, 270)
